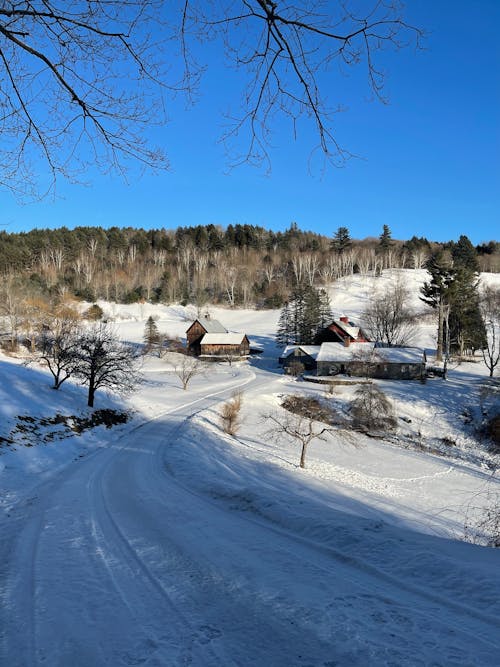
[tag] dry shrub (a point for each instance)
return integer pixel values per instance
(230, 414)
(295, 368)
(309, 407)
(482, 524)
(372, 410)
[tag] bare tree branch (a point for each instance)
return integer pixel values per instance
(82, 82)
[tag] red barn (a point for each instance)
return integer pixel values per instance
(342, 331)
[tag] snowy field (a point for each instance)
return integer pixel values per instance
(165, 542)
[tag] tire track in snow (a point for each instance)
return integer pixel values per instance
(135, 582)
(380, 577)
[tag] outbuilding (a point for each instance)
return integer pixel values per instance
(198, 329)
(226, 345)
(299, 354)
(370, 360)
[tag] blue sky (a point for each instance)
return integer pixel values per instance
(429, 162)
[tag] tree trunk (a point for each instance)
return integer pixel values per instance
(439, 350)
(303, 455)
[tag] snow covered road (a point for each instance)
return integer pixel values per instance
(121, 560)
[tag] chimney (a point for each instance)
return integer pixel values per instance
(344, 319)
(347, 341)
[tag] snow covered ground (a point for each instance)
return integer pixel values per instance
(165, 542)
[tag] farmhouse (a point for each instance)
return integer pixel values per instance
(200, 327)
(224, 345)
(368, 360)
(302, 354)
(342, 331)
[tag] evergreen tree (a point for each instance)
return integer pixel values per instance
(151, 334)
(307, 311)
(385, 239)
(465, 255)
(453, 291)
(436, 293)
(341, 240)
(284, 333)
(466, 327)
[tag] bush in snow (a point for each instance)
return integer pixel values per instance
(94, 313)
(372, 410)
(482, 523)
(230, 414)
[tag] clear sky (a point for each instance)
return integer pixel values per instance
(429, 165)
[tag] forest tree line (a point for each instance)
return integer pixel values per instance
(241, 265)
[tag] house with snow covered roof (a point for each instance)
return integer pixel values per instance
(342, 331)
(371, 360)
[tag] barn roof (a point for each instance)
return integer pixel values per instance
(222, 338)
(355, 351)
(339, 352)
(401, 355)
(349, 328)
(310, 350)
(211, 326)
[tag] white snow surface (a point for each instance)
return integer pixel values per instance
(165, 542)
(222, 339)
(340, 352)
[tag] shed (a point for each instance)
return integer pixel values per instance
(200, 327)
(225, 345)
(370, 360)
(304, 354)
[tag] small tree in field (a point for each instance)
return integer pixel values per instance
(230, 414)
(58, 346)
(185, 367)
(152, 337)
(371, 409)
(302, 426)
(103, 361)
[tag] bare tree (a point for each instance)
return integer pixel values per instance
(83, 81)
(301, 423)
(103, 361)
(284, 49)
(387, 319)
(58, 346)
(230, 414)
(482, 521)
(80, 85)
(185, 367)
(489, 305)
(11, 311)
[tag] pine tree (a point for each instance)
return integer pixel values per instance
(436, 293)
(283, 333)
(466, 327)
(453, 291)
(307, 311)
(385, 239)
(151, 334)
(341, 240)
(464, 254)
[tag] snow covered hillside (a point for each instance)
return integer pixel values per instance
(164, 541)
